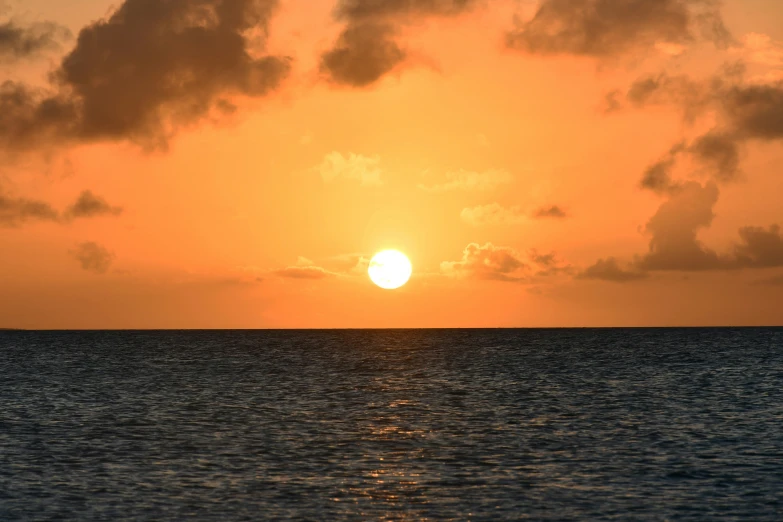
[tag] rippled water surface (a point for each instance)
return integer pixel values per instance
(680, 424)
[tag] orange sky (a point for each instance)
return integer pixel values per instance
(581, 163)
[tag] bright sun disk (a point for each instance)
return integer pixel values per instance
(390, 269)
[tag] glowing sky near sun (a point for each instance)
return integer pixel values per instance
(241, 162)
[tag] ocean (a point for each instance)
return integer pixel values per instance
(571, 424)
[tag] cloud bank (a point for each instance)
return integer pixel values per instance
(464, 180)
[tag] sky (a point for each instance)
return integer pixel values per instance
(235, 164)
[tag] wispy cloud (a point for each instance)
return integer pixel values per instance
(609, 269)
(493, 214)
(468, 181)
(331, 267)
(606, 28)
(18, 211)
(20, 41)
(365, 170)
(304, 272)
(496, 214)
(550, 212)
(93, 257)
(89, 205)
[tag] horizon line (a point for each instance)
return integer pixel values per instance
(432, 328)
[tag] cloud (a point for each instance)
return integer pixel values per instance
(471, 181)
(496, 263)
(496, 214)
(658, 176)
(89, 205)
(347, 263)
(493, 214)
(719, 152)
(674, 228)
(744, 112)
(691, 96)
(16, 211)
(759, 248)
(674, 243)
(144, 72)
(368, 47)
(304, 272)
(356, 167)
(607, 28)
(547, 264)
(754, 111)
(362, 55)
(759, 48)
(488, 262)
(93, 257)
(18, 42)
(553, 211)
(343, 265)
(770, 281)
(609, 269)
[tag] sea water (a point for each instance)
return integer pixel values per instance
(586, 424)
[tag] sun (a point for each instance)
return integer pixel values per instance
(390, 269)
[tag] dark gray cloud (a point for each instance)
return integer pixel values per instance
(675, 246)
(553, 211)
(754, 111)
(18, 41)
(148, 69)
(17, 211)
(93, 257)
(674, 229)
(609, 269)
(657, 177)
(691, 96)
(368, 46)
(605, 28)
(759, 248)
(720, 153)
(89, 205)
(717, 152)
(547, 265)
(744, 112)
(363, 54)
